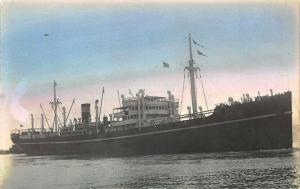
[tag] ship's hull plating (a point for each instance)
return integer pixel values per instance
(263, 132)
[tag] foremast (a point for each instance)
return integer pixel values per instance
(55, 104)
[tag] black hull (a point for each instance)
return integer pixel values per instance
(264, 124)
(266, 132)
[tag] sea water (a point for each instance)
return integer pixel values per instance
(263, 169)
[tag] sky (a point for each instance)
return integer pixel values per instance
(250, 47)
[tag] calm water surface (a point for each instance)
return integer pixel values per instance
(266, 169)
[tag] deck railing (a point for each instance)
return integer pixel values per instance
(90, 128)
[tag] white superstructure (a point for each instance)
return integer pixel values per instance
(143, 110)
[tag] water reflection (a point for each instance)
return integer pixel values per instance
(267, 169)
(5, 168)
(295, 163)
(234, 170)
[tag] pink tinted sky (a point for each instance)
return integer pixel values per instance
(218, 86)
(250, 46)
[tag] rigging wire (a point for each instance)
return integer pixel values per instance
(182, 92)
(57, 116)
(203, 90)
(47, 120)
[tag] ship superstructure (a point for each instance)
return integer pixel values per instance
(143, 110)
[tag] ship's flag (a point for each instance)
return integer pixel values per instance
(21, 125)
(200, 53)
(166, 65)
(195, 43)
(46, 35)
(102, 89)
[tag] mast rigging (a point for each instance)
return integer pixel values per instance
(203, 90)
(45, 116)
(54, 104)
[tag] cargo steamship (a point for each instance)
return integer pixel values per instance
(145, 125)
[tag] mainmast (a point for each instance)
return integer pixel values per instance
(192, 71)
